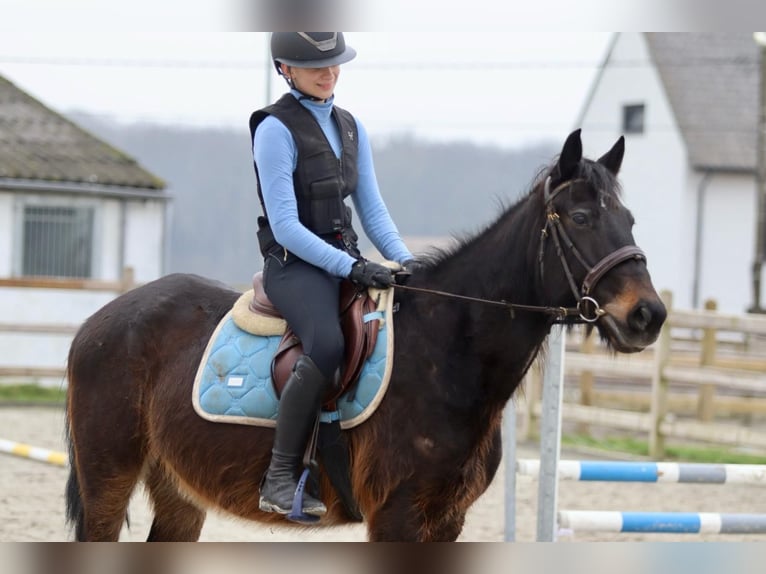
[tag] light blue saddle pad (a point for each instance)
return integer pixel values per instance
(233, 382)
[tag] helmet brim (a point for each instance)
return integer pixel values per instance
(348, 54)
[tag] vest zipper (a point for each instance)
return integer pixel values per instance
(340, 175)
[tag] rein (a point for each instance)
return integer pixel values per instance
(555, 229)
(559, 312)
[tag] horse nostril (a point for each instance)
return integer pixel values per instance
(647, 316)
(640, 317)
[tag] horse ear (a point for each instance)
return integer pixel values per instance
(570, 157)
(612, 159)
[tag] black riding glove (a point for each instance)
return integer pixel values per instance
(371, 274)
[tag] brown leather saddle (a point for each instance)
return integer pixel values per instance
(360, 337)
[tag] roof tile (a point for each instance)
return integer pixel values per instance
(37, 143)
(712, 81)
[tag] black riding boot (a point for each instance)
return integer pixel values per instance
(298, 409)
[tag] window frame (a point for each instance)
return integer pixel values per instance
(23, 201)
(627, 109)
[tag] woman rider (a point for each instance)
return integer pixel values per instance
(309, 156)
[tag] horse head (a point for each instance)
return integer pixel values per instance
(587, 256)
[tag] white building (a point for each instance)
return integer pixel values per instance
(75, 213)
(688, 107)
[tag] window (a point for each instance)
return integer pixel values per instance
(633, 119)
(57, 241)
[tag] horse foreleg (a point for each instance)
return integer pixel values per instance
(175, 518)
(445, 527)
(405, 518)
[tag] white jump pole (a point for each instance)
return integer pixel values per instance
(509, 456)
(550, 436)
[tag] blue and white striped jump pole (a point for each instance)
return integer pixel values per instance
(664, 522)
(612, 471)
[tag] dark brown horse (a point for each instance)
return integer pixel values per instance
(433, 446)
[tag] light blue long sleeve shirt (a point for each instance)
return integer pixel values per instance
(276, 156)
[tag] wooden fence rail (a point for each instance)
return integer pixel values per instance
(57, 329)
(124, 283)
(721, 377)
(35, 373)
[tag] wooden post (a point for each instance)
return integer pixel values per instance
(587, 347)
(659, 404)
(525, 407)
(706, 395)
(128, 280)
(532, 394)
(509, 458)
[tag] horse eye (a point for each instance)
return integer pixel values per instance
(580, 218)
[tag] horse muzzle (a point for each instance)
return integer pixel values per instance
(632, 323)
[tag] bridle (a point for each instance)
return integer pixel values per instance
(555, 229)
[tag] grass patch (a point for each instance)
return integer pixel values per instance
(710, 454)
(32, 394)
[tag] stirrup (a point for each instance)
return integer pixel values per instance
(296, 513)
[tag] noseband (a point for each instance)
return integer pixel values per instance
(554, 228)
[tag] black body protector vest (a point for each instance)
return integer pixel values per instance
(321, 181)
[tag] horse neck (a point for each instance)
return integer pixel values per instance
(498, 264)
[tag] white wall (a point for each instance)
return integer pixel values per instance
(728, 241)
(125, 233)
(107, 236)
(653, 172)
(137, 223)
(144, 248)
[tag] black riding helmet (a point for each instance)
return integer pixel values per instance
(310, 49)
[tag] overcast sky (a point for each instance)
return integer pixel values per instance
(520, 78)
(506, 89)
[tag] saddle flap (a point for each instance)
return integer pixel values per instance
(359, 336)
(288, 352)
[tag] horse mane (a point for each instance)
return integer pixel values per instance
(599, 176)
(508, 209)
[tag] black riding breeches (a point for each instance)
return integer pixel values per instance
(307, 297)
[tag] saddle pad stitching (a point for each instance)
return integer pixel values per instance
(385, 302)
(198, 378)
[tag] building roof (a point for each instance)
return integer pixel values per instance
(39, 144)
(712, 81)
